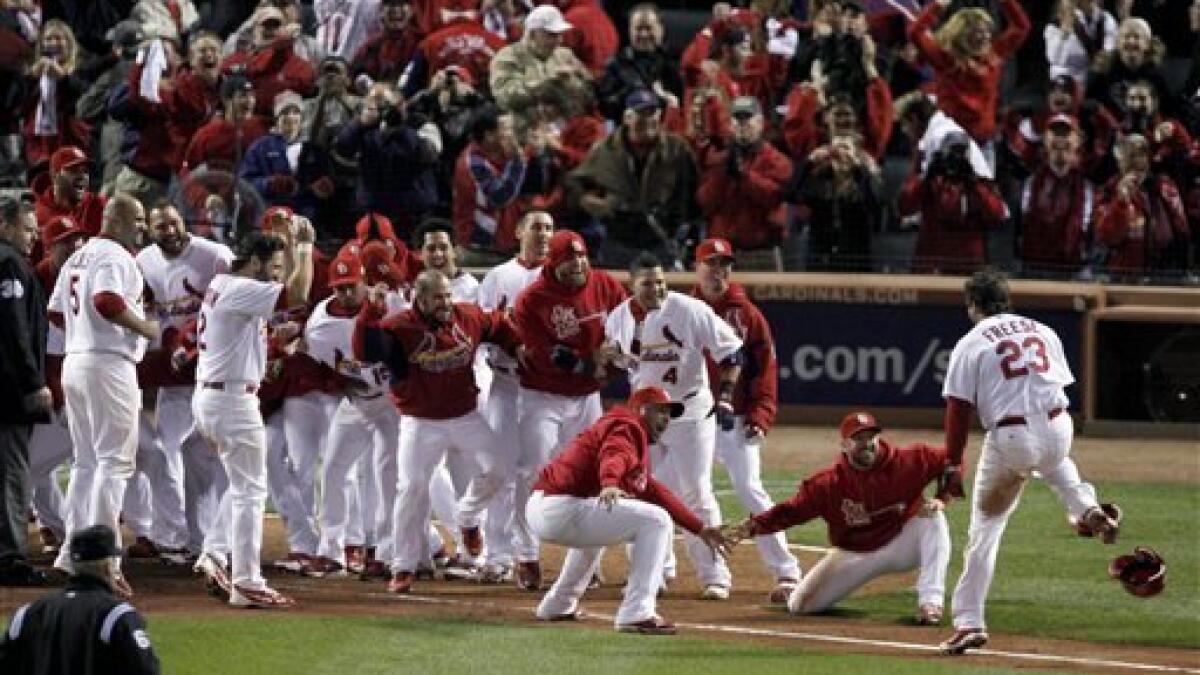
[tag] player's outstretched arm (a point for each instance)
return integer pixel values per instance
(300, 254)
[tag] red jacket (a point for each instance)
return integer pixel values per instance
(613, 452)
(1056, 214)
(954, 220)
(864, 510)
(157, 153)
(385, 56)
(1025, 138)
(190, 105)
(466, 44)
(71, 129)
(549, 312)
(88, 214)
(747, 209)
(594, 38)
(968, 92)
(756, 395)
(217, 143)
(440, 382)
(274, 69)
(1137, 230)
(803, 131)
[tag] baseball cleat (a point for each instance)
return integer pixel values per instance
(375, 569)
(142, 549)
(175, 556)
(494, 573)
(459, 568)
(783, 589)
(715, 592)
(401, 583)
(653, 626)
(294, 562)
(472, 540)
(578, 615)
(216, 577)
(928, 615)
(322, 567)
(529, 576)
(962, 640)
(263, 598)
(356, 557)
(1103, 520)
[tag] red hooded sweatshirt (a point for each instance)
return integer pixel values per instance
(757, 392)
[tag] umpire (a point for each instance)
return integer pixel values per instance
(24, 397)
(83, 629)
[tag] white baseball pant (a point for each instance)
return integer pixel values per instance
(49, 447)
(923, 543)
(501, 412)
(231, 419)
(138, 505)
(175, 426)
(742, 460)
(103, 402)
(285, 491)
(204, 483)
(587, 527)
(1010, 455)
(306, 422)
(546, 423)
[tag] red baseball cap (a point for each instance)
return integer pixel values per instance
(67, 157)
(858, 421)
(564, 246)
(714, 248)
(273, 212)
(654, 396)
(377, 265)
(60, 228)
(345, 271)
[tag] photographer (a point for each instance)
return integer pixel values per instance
(838, 187)
(286, 169)
(741, 190)
(1170, 143)
(397, 158)
(451, 102)
(958, 203)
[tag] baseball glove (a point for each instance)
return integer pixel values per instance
(1111, 510)
(950, 483)
(1142, 574)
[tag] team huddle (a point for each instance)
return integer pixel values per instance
(374, 393)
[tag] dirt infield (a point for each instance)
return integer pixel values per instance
(746, 616)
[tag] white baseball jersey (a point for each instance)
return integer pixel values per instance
(232, 330)
(101, 266)
(1008, 365)
(465, 287)
(328, 339)
(177, 284)
(668, 347)
(499, 290)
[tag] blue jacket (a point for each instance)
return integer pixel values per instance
(397, 170)
(267, 157)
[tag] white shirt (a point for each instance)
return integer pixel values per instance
(499, 290)
(672, 342)
(178, 284)
(232, 330)
(329, 340)
(101, 266)
(464, 287)
(1067, 55)
(1008, 365)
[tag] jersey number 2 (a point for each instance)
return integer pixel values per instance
(1012, 353)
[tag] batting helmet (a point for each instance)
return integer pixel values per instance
(1142, 574)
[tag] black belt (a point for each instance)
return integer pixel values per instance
(222, 386)
(1017, 420)
(368, 397)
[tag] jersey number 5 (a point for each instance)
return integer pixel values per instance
(1012, 353)
(73, 293)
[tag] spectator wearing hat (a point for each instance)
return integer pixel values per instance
(742, 188)
(838, 190)
(638, 185)
(286, 169)
(271, 62)
(53, 88)
(643, 64)
(452, 103)
(593, 37)
(1081, 30)
(167, 19)
(64, 192)
(384, 57)
(92, 107)
(247, 37)
(223, 141)
(1024, 130)
(538, 60)
(462, 41)
(84, 626)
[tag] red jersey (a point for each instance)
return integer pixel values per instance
(466, 44)
(864, 510)
(440, 380)
(757, 392)
(613, 452)
(550, 312)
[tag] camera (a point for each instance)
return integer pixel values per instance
(391, 115)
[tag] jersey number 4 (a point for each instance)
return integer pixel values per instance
(1014, 364)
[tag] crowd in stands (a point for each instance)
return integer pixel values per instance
(813, 135)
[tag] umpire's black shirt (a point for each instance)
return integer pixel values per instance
(81, 630)
(22, 336)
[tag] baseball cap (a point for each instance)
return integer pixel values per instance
(654, 396)
(641, 99)
(547, 18)
(60, 228)
(268, 13)
(382, 227)
(127, 33)
(745, 106)
(856, 422)
(377, 265)
(345, 271)
(564, 244)
(287, 98)
(714, 248)
(273, 213)
(1065, 120)
(67, 157)
(94, 543)
(232, 83)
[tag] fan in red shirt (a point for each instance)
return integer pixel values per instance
(872, 500)
(384, 57)
(561, 321)
(273, 64)
(1054, 234)
(600, 491)
(593, 38)
(465, 42)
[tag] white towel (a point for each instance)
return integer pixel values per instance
(45, 121)
(941, 128)
(154, 64)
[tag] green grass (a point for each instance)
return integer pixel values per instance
(1051, 583)
(342, 646)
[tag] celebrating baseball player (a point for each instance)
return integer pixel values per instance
(499, 291)
(872, 500)
(430, 350)
(754, 402)
(599, 491)
(232, 342)
(1012, 370)
(661, 336)
(98, 298)
(561, 320)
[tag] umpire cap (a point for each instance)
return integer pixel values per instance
(94, 543)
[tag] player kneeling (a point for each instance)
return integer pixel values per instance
(599, 491)
(872, 500)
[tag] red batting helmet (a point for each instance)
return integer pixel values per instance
(1142, 574)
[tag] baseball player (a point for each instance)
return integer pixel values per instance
(661, 337)
(98, 298)
(600, 491)
(561, 321)
(1012, 370)
(754, 402)
(430, 351)
(499, 291)
(178, 268)
(872, 500)
(233, 353)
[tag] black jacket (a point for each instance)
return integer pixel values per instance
(23, 336)
(629, 69)
(81, 630)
